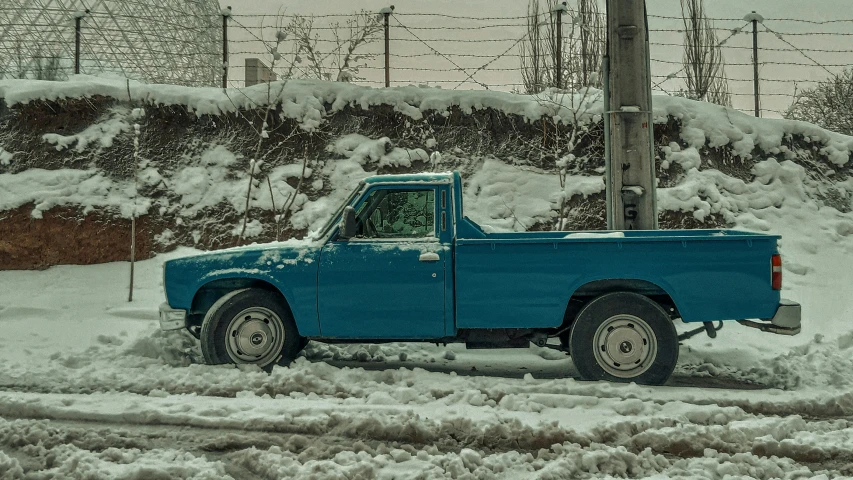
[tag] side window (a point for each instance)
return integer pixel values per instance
(397, 214)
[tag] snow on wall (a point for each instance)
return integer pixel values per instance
(705, 123)
(508, 197)
(310, 101)
(498, 193)
(89, 189)
(103, 133)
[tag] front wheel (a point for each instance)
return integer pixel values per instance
(249, 326)
(624, 337)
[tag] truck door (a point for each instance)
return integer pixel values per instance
(388, 281)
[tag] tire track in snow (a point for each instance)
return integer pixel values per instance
(689, 435)
(403, 386)
(43, 446)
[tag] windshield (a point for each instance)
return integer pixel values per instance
(331, 223)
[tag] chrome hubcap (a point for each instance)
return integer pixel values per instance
(625, 346)
(255, 335)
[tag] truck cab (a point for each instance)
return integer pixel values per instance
(399, 261)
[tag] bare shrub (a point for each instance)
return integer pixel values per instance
(580, 52)
(704, 65)
(829, 104)
(346, 56)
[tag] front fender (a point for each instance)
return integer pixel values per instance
(293, 273)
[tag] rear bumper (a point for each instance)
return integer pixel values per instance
(172, 318)
(786, 321)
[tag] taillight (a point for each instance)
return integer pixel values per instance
(776, 272)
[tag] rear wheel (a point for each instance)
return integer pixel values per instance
(249, 326)
(624, 337)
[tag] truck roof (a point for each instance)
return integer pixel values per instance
(427, 177)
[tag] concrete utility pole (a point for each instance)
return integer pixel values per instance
(630, 163)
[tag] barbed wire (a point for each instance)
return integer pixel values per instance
(424, 36)
(722, 42)
(745, 80)
(236, 14)
(762, 48)
(434, 50)
(779, 36)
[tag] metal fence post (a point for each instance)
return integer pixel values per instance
(755, 19)
(386, 12)
(78, 19)
(558, 63)
(226, 14)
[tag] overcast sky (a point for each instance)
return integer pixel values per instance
(776, 79)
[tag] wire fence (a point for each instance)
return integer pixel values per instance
(431, 49)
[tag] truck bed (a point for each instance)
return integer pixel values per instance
(502, 278)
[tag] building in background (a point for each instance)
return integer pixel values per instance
(257, 72)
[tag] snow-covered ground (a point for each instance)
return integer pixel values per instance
(89, 388)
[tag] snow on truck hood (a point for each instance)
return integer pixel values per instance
(253, 257)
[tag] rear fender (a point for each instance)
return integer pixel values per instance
(584, 293)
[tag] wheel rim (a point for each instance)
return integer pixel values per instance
(255, 335)
(625, 346)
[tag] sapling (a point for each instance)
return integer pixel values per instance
(136, 115)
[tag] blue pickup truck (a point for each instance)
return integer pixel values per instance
(399, 262)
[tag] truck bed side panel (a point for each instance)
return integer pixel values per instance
(501, 283)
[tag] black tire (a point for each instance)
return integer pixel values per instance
(249, 326)
(624, 337)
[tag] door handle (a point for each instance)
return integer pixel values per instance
(429, 257)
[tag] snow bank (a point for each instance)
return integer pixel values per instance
(711, 192)
(716, 126)
(102, 133)
(500, 194)
(309, 102)
(303, 100)
(513, 198)
(88, 189)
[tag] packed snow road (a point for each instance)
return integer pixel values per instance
(89, 388)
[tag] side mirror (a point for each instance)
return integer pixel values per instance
(347, 228)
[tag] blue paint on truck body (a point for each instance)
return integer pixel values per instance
(440, 272)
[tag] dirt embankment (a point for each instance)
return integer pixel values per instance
(66, 236)
(96, 134)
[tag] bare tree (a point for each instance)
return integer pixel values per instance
(260, 117)
(581, 49)
(829, 104)
(21, 61)
(533, 66)
(46, 67)
(586, 46)
(704, 65)
(342, 63)
(36, 65)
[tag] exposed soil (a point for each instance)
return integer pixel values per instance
(67, 236)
